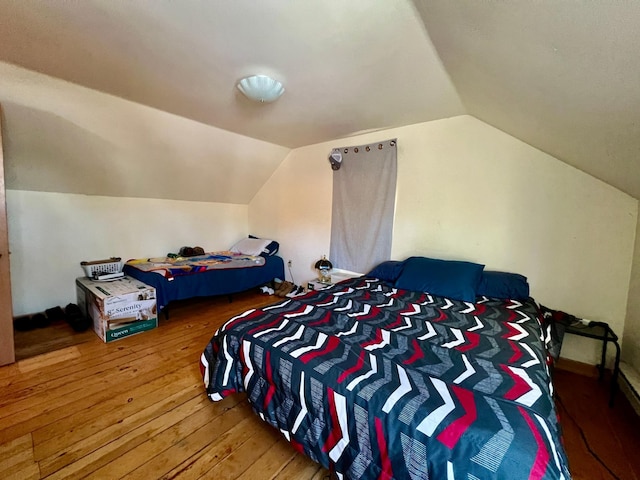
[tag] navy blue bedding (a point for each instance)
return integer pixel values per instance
(375, 382)
(210, 282)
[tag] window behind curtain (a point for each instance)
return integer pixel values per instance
(364, 191)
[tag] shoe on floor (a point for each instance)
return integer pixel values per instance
(40, 320)
(281, 289)
(55, 314)
(286, 288)
(78, 321)
(277, 285)
(23, 324)
(295, 292)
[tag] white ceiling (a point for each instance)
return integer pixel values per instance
(563, 76)
(559, 75)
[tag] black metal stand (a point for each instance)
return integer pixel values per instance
(601, 331)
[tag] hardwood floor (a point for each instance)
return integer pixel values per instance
(135, 408)
(601, 442)
(56, 336)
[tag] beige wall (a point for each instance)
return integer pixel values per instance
(63, 142)
(631, 344)
(61, 137)
(51, 233)
(469, 191)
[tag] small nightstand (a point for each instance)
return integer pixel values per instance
(336, 276)
(600, 331)
(317, 285)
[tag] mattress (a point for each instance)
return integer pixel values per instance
(209, 281)
(376, 382)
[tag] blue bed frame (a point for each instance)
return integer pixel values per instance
(210, 282)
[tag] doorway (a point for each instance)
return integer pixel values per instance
(7, 349)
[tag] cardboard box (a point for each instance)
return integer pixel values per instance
(118, 308)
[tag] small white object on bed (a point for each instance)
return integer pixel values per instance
(251, 246)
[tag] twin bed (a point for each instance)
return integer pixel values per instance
(250, 263)
(373, 380)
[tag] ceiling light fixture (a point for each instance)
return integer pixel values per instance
(261, 88)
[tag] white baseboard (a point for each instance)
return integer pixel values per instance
(629, 384)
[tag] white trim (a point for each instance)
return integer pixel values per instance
(629, 383)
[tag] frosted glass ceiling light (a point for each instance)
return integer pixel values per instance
(261, 88)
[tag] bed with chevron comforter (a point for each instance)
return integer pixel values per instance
(375, 382)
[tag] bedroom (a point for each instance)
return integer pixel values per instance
(81, 185)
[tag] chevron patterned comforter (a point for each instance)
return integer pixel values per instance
(374, 382)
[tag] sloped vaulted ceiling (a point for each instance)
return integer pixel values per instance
(561, 76)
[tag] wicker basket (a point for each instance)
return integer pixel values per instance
(100, 267)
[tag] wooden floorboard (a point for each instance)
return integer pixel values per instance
(136, 409)
(601, 442)
(56, 336)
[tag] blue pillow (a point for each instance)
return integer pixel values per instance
(388, 271)
(503, 285)
(446, 278)
(271, 249)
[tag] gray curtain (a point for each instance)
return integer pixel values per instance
(364, 191)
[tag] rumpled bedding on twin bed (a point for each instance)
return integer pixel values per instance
(210, 279)
(172, 267)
